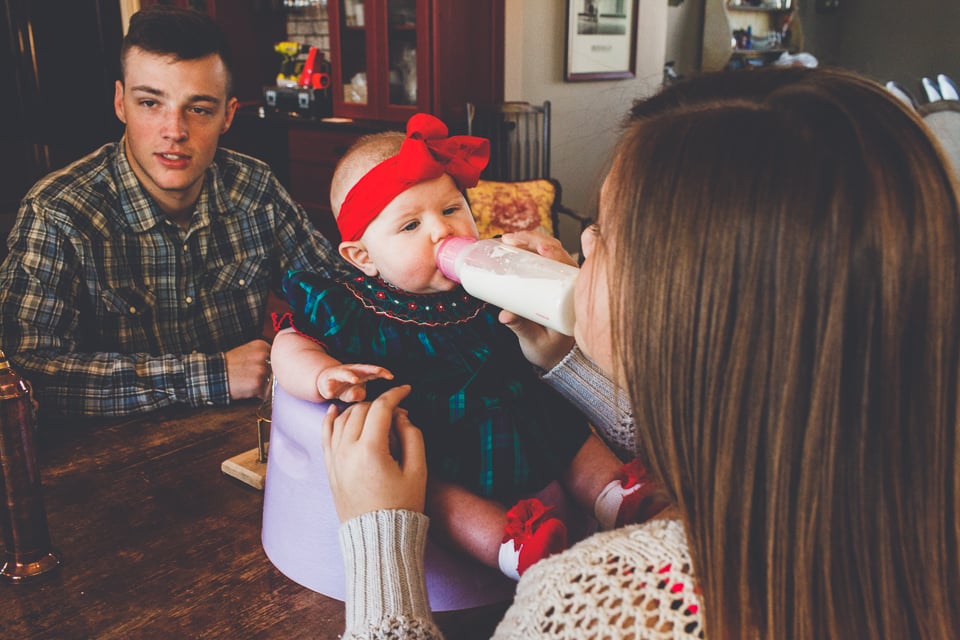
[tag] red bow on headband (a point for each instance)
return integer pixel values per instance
(425, 154)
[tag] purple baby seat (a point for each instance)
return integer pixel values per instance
(300, 522)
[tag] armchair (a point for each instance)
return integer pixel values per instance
(943, 118)
(502, 207)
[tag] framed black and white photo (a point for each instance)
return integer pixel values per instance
(601, 39)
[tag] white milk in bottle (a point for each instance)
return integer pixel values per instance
(526, 283)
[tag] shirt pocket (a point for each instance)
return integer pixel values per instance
(233, 298)
(126, 319)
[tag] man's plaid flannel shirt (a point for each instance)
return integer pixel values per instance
(109, 308)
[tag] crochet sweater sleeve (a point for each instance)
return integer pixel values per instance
(632, 582)
(578, 379)
(386, 589)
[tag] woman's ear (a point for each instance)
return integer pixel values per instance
(356, 254)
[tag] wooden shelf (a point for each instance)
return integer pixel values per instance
(762, 7)
(758, 53)
(722, 19)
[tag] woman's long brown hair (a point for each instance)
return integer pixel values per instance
(786, 312)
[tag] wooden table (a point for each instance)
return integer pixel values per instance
(156, 542)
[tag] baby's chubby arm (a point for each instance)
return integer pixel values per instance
(305, 370)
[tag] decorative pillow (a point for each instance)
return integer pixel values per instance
(502, 207)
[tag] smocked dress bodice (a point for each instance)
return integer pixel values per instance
(489, 423)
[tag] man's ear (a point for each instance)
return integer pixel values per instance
(356, 254)
(118, 102)
(231, 111)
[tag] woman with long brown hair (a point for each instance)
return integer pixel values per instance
(787, 322)
(774, 281)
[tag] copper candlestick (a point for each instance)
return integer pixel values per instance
(23, 517)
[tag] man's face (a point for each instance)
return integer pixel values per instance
(175, 112)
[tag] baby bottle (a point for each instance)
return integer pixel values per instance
(526, 283)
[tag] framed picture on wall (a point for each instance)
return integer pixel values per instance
(601, 39)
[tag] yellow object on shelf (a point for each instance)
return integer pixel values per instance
(292, 65)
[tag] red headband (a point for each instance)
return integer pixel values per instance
(425, 154)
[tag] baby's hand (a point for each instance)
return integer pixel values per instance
(348, 382)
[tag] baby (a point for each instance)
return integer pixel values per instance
(494, 433)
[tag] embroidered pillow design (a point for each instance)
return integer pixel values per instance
(503, 207)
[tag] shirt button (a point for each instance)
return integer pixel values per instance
(186, 248)
(242, 282)
(189, 299)
(132, 309)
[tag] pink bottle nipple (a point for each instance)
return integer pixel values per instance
(447, 254)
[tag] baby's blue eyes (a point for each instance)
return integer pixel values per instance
(413, 224)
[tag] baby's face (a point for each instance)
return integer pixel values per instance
(402, 241)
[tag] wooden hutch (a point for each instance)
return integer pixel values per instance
(389, 59)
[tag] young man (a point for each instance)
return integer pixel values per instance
(137, 277)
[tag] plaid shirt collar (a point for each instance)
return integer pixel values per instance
(142, 213)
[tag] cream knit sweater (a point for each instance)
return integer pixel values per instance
(633, 582)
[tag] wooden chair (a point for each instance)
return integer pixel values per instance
(519, 134)
(516, 192)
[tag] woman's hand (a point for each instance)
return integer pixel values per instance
(374, 456)
(539, 242)
(541, 346)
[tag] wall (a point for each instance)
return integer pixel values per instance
(884, 39)
(684, 31)
(586, 115)
(888, 39)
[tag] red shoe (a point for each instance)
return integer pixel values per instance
(638, 496)
(531, 534)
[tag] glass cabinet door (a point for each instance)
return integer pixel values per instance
(402, 52)
(380, 50)
(353, 53)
